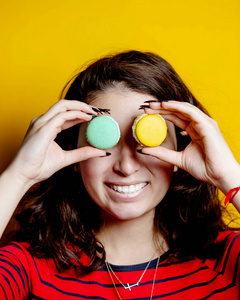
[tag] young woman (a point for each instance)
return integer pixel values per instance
(131, 222)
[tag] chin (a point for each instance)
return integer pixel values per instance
(129, 214)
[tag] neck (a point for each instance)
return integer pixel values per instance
(130, 241)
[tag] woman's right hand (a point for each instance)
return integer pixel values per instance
(39, 155)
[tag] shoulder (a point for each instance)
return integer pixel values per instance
(16, 256)
(15, 270)
(232, 241)
(228, 265)
(14, 249)
(232, 244)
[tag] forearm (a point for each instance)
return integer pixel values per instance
(12, 189)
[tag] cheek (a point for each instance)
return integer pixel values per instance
(88, 176)
(161, 171)
(93, 170)
(87, 169)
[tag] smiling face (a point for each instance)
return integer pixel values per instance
(126, 184)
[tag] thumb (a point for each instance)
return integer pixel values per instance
(84, 153)
(167, 155)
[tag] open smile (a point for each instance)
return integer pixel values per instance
(128, 189)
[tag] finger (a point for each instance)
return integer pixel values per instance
(184, 110)
(196, 132)
(200, 122)
(167, 155)
(188, 110)
(48, 131)
(164, 112)
(157, 109)
(180, 121)
(64, 106)
(176, 118)
(81, 154)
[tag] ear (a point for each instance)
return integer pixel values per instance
(77, 168)
(175, 169)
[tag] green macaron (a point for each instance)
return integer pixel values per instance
(103, 132)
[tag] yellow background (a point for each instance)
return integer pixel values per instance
(43, 42)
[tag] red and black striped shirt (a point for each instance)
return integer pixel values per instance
(23, 276)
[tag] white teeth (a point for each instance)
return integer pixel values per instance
(127, 189)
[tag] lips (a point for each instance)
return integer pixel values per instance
(128, 189)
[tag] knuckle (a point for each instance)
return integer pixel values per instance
(214, 123)
(62, 101)
(34, 121)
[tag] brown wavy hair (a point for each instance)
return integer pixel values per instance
(59, 219)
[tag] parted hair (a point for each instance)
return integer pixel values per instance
(58, 218)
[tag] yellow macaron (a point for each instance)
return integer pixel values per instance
(149, 130)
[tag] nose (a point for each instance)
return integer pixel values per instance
(127, 162)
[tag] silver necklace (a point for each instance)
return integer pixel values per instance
(128, 286)
(154, 278)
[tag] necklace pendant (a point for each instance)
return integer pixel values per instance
(129, 286)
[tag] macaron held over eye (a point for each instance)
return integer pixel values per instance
(149, 130)
(103, 132)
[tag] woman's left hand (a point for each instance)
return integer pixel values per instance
(207, 157)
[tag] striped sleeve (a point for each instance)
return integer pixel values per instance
(14, 272)
(229, 266)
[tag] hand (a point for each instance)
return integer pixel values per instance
(207, 157)
(39, 155)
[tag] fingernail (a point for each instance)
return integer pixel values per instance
(144, 106)
(140, 151)
(96, 110)
(150, 101)
(105, 110)
(106, 154)
(90, 114)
